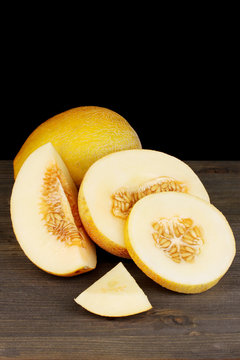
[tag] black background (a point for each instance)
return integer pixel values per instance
(191, 117)
(178, 89)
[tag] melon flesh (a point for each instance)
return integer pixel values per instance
(45, 216)
(114, 294)
(214, 254)
(131, 170)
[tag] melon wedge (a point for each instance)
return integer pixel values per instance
(114, 183)
(45, 216)
(180, 241)
(114, 294)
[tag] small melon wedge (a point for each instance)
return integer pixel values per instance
(45, 216)
(114, 183)
(180, 241)
(115, 294)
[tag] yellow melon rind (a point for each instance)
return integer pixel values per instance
(81, 136)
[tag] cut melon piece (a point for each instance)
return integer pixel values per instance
(113, 184)
(45, 216)
(180, 241)
(114, 294)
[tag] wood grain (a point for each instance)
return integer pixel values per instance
(39, 319)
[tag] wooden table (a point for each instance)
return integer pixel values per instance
(40, 320)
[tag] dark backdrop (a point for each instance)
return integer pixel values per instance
(180, 96)
(193, 119)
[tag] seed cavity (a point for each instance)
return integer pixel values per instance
(178, 238)
(59, 208)
(124, 199)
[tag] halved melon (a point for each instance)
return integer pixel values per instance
(45, 216)
(114, 294)
(113, 184)
(180, 241)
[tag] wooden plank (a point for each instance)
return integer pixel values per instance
(39, 319)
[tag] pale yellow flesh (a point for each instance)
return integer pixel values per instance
(41, 246)
(130, 169)
(115, 294)
(210, 265)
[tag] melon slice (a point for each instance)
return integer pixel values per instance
(114, 294)
(180, 241)
(113, 184)
(45, 216)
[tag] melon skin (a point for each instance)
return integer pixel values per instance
(123, 168)
(81, 136)
(41, 247)
(191, 286)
